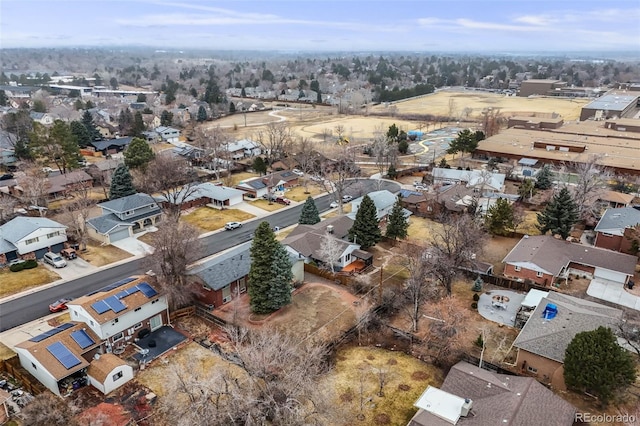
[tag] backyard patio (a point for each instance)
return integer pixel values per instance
(500, 306)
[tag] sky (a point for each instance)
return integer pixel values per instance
(314, 25)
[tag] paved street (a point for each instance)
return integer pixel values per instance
(34, 305)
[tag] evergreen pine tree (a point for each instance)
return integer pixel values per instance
(365, 230)
(202, 114)
(595, 362)
(397, 225)
(138, 154)
(543, 178)
(262, 254)
(138, 125)
(166, 118)
(87, 120)
(121, 183)
(232, 108)
(309, 214)
(260, 166)
(279, 291)
(499, 218)
(477, 284)
(81, 133)
(559, 215)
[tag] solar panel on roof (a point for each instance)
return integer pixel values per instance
(58, 329)
(147, 290)
(100, 307)
(115, 304)
(118, 284)
(63, 354)
(82, 339)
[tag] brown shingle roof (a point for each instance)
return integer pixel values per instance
(500, 399)
(551, 255)
(38, 350)
(131, 302)
(100, 368)
(59, 183)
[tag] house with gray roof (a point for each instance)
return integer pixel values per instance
(168, 134)
(30, 237)
(123, 217)
(43, 118)
(202, 194)
(111, 146)
(383, 200)
(543, 340)
(472, 396)
(615, 230)
(243, 148)
(482, 180)
(61, 185)
(544, 259)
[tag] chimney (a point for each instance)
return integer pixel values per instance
(466, 407)
(330, 229)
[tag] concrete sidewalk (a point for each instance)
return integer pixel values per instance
(614, 293)
(246, 207)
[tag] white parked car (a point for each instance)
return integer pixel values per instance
(346, 198)
(54, 260)
(297, 172)
(334, 204)
(232, 225)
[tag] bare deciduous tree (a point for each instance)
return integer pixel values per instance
(418, 288)
(454, 246)
(213, 142)
(338, 174)
(47, 409)
(591, 184)
(492, 120)
(35, 187)
(276, 139)
(76, 212)
(445, 334)
(330, 252)
(175, 247)
(7, 204)
(308, 160)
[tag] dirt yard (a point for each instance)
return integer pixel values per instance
(99, 255)
(15, 282)
(406, 379)
(298, 193)
(319, 310)
(207, 219)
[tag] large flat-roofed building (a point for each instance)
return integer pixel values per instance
(539, 86)
(572, 143)
(611, 105)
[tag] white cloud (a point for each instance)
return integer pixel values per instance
(535, 20)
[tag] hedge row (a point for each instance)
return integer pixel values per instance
(29, 264)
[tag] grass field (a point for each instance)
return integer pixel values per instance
(447, 103)
(99, 255)
(208, 219)
(15, 282)
(407, 378)
(297, 193)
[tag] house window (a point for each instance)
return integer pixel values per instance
(34, 366)
(137, 309)
(539, 274)
(517, 268)
(129, 213)
(205, 287)
(117, 376)
(532, 369)
(606, 234)
(53, 234)
(118, 336)
(31, 240)
(347, 258)
(157, 300)
(242, 284)
(114, 321)
(137, 326)
(91, 322)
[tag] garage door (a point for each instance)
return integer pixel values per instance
(119, 234)
(610, 275)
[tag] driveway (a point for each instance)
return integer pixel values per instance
(133, 246)
(613, 292)
(246, 207)
(75, 268)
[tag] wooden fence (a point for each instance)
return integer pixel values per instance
(505, 282)
(29, 383)
(181, 313)
(337, 278)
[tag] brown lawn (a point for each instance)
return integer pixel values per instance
(421, 229)
(265, 205)
(236, 178)
(299, 192)
(208, 219)
(495, 250)
(346, 208)
(99, 255)
(15, 282)
(407, 378)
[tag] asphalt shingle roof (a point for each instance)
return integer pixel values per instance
(618, 219)
(220, 271)
(120, 142)
(21, 226)
(105, 223)
(550, 338)
(130, 202)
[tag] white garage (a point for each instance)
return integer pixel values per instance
(609, 275)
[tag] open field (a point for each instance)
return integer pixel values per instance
(439, 104)
(407, 378)
(15, 282)
(208, 219)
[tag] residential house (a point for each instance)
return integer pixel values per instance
(544, 259)
(59, 358)
(617, 231)
(481, 180)
(383, 200)
(122, 311)
(254, 188)
(111, 146)
(151, 137)
(30, 237)
(107, 130)
(43, 118)
(102, 171)
(472, 396)
(123, 217)
(61, 185)
(305, 242)
(528, 167)
(615, 199)
(554, 323)
(243, 148)
(168, 134)
(280, 181)
(107, 372)
(216, 196)
(221, 277)
(7, 151)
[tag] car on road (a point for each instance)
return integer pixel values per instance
(346, 198)
(297, 172)
(317, 178)
(420, 188)
(59, 305)
(282, 200)
(232, 225)
(54, 259)
(334, 204)
(6, 176)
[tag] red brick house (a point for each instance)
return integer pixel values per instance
(617, 230)
(543, 259)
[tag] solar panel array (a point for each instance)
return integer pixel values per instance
(113, 286)
(82, 339)
(46, 334)
(114, 303)
(63, 355)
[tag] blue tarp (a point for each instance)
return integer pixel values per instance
(550, 311)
